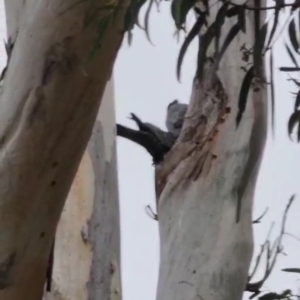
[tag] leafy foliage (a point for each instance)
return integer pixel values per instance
(291, 55)
(233, 32)
(180, 9)
(260, 48)
(259, 36)
(294, 120)
(131, 17)
(279, 6)
(190, 37)
(100, 17)
(254, 74)
(229, 10)
(292, 34)
(103, 16)
(245, 88)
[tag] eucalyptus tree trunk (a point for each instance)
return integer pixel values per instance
(51, 95)
(204, 253)
(87, 242)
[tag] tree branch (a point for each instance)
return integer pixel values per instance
(272, 253)
(145, 139)
(261, 8)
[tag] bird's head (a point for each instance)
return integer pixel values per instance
(172, 103)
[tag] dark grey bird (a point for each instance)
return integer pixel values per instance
(155, 140)
(175, 117)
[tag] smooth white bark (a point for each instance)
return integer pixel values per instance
(87, 243)
(204, 253)
(48, 108)
(14, 10)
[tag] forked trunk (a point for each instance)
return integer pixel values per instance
(87, 244)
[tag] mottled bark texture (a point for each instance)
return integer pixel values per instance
(204, 253)
(87, 243)
(49, 104)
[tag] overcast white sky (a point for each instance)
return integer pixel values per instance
(145, 83)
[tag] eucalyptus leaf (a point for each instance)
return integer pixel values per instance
(147, 16)
(190, 37)
(206, 39)
(233, 32)
(292, 35)
(233, 11)
(298, 133)
(244, 92)
(218, 23)
(294, 119)
(130, 36)
(291, 270)
(3, 73)
(275, 22)
(103, 24)
(289, 69)
(258, 50)
(242, 18)
(297, 102)
(206, 5)
(272, 92)
(180, 9)
(296, 5)
(291, 55)
(131, 17)
(296, 82)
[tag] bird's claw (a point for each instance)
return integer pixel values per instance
(133, 117)
(136, 120)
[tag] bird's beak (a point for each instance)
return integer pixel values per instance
(173, 102)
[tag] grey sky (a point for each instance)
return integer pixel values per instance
(145, 83)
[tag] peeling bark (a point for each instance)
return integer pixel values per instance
(204, 253)
(49, 104)
(87, 243)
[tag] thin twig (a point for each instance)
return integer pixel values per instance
(256, 221)
(293, 236)
(272, 253)
(150, 213)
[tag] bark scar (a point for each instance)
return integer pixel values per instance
(60, 57)
(37, 109)
(85, 234)
(208, 109)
